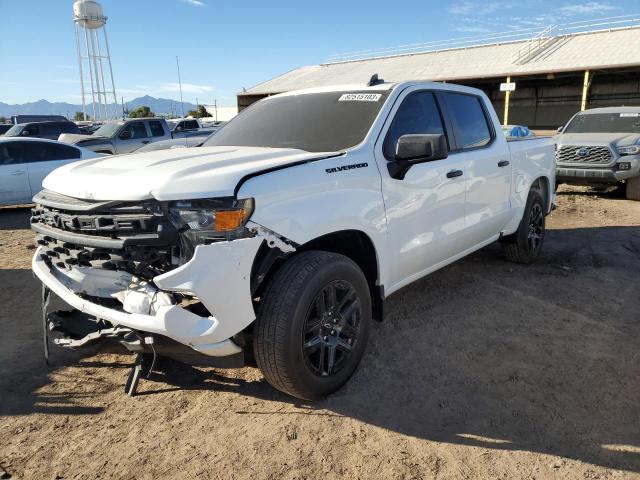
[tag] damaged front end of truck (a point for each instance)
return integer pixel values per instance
(175, 279)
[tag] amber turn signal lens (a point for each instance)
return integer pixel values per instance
(230, 219)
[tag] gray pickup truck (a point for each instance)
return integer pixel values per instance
(601, 147)
(123, 136)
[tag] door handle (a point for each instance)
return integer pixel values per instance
(455, 173)
(18, 172)
(503, 163)
(145, 142)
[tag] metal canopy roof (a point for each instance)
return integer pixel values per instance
(604, 49)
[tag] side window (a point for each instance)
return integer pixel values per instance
(50, 130)
(46, 152)
(11, 153)
(191, 125)
(156, 129)
(68, 127)
(31, 131)
(418, 114)
(470, 124)
(137, 129)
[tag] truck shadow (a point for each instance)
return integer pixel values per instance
(483, 353)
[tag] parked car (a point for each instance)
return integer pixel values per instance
(24, 163)
(4, 127)
(50, 130)
(286, 231)
(15, 119)
(517, 131)
(601, 147)
(123, 136)
(188, 127)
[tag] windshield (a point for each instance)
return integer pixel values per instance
(314, 122)
(108, 129)
(14, 131)
(626, 122)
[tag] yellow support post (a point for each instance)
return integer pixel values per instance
(506, 104)
(585, 91)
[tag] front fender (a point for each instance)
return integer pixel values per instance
(307, 201)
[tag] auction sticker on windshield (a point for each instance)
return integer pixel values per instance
(360, 97)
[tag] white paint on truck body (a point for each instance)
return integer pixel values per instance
(416, 224)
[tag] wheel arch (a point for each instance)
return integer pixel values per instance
(353, 244)
(543, 185)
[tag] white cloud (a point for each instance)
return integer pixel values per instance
(186, 88)
(194, 3)
(476, 8)
(587, 8)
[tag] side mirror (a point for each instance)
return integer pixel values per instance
(126, 135)
(560, 129)
(413, 149)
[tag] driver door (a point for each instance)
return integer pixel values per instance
(132, 137)
(425, 210)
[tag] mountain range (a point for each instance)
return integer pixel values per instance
(44, 107)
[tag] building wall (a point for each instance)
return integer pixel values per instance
(547, 101)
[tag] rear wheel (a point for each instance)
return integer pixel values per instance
(313, 324)
(633, 188)
(525, 245)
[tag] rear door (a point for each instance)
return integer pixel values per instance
(14, 178)
(489, 168)
(157, 130)
(45, 157)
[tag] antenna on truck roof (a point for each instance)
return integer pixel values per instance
(374, 80)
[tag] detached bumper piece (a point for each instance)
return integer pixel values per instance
(77, 330)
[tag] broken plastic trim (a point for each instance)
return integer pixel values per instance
(272, 238)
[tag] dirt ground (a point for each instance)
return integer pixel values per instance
(485, 369)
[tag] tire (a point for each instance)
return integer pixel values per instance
(633, 189)
(525, 245)
(294, 340)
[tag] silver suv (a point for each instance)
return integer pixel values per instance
(600, 147)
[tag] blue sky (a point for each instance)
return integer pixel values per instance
(226, 45)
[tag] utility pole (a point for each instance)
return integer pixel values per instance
(180, 83)
(215, 108)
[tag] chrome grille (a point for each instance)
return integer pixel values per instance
(584, 154)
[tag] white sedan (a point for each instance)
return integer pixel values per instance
(25, 162)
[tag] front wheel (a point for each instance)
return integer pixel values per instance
(313, 324)
(525, 245)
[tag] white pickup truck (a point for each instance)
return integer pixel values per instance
(281, 237)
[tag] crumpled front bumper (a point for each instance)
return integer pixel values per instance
(218, 274)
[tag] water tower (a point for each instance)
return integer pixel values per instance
(94, 59)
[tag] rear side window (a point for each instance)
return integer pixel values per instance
(50, 130)
(156, 129)
(191, 125)
(11, 153)
(68, 127)
(45, 152)
(471, 127)
(418, 114)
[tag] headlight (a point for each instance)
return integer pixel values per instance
(206, 220)
(630, 150)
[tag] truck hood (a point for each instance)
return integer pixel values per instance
(184, 173)
(611, 139)
(76, 138)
